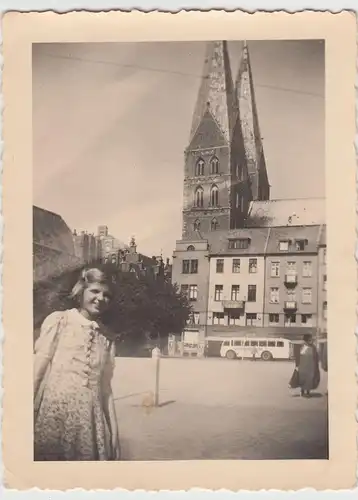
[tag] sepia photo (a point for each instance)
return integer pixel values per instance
(181, 252)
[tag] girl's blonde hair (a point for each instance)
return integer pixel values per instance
(87, 277)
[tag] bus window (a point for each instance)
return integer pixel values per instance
(271, 343)
(247, 343)
(280, 343)
(254, 342)
(262, 343)
(226, 343)
(237, 342)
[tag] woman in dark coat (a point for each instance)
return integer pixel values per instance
(308, 366)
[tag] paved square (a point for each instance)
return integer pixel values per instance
(217, 409)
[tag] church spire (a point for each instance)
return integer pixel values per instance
(245, 96)
(216, 92)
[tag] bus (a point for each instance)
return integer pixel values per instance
(263, 348)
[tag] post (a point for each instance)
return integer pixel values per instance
(156, 358)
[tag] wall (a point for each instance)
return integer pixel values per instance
(244, 278)
(322, 291)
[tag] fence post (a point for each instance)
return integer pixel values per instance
(156, 358)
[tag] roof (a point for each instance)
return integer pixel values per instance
(219, 241)
(309, 233)
(216, 91)
(293, 212)
(50, 230)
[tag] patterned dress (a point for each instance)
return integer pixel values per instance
(71, 423)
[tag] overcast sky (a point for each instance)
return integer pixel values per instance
(111, 122)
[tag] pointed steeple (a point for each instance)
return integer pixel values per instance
(247, 109)
(216, 93)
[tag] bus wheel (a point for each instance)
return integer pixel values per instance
(266, 356)
(230, 355)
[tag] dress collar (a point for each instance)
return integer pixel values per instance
(81, 320)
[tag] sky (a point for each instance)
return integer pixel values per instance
(111, 122)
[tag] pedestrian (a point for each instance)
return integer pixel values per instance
(74, 410)
(254, 352)
(308, 367)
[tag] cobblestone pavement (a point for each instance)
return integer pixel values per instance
(217, 409)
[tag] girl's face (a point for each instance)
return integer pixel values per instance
(96, 299)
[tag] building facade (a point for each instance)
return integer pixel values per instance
(236, 283)
(322, 285)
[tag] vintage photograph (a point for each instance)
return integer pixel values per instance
(179, 251)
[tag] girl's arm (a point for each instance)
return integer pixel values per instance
(108, 403)
(45, 346)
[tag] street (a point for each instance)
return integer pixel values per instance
(217, 409)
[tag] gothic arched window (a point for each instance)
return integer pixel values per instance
(199, 197)
(214, 165)
(214, 225)
(196, 227)
(214, 196)
(199, 167)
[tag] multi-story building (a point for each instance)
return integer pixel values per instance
(322, 285)
(292, 277)
(190, 271)
(236, 284)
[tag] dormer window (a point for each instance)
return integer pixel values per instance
(283, 245)
(199, 167)
(240, 243)
(300, 245)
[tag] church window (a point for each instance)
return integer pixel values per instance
(214, 225)
(190, 248)
(199, 197)
(197, 225)
(199, 168)
(214, 165)
(214, 196)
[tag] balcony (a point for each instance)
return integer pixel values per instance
(290, 305)
(233, 304)
(291, 279)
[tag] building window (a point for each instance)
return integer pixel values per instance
(219, 292)
(184, 289)
(199, 168)
(236, 265)
(234, 318)
(190, 266)
(251, 319)
(214, 225)
(237, 200)
(307, 296)
(196, 318)
(214, 196)
(214, 165)
(274, 319)
(291, 268)
(242, 202)
(197, 225)
(325, 282)
(324, 256)
(290, 319)
(193, 292)
(275, 269)
(238, 171)
(291, 296)
(218, 318)
(199, 197)
(240, 244)
(307, 269)
(235, 292)
(274, 295)
(219, 265)
(283, 246)
(251, 293)
(306, 319)
(252, 266)
(324, 310)
(190, 248)
(300, 245)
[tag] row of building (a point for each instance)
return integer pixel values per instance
(273, 278)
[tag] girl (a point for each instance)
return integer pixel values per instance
(74, 359)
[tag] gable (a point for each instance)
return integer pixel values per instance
(208, 134)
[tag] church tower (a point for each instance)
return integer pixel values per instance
(218, 178)
(255, 159)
